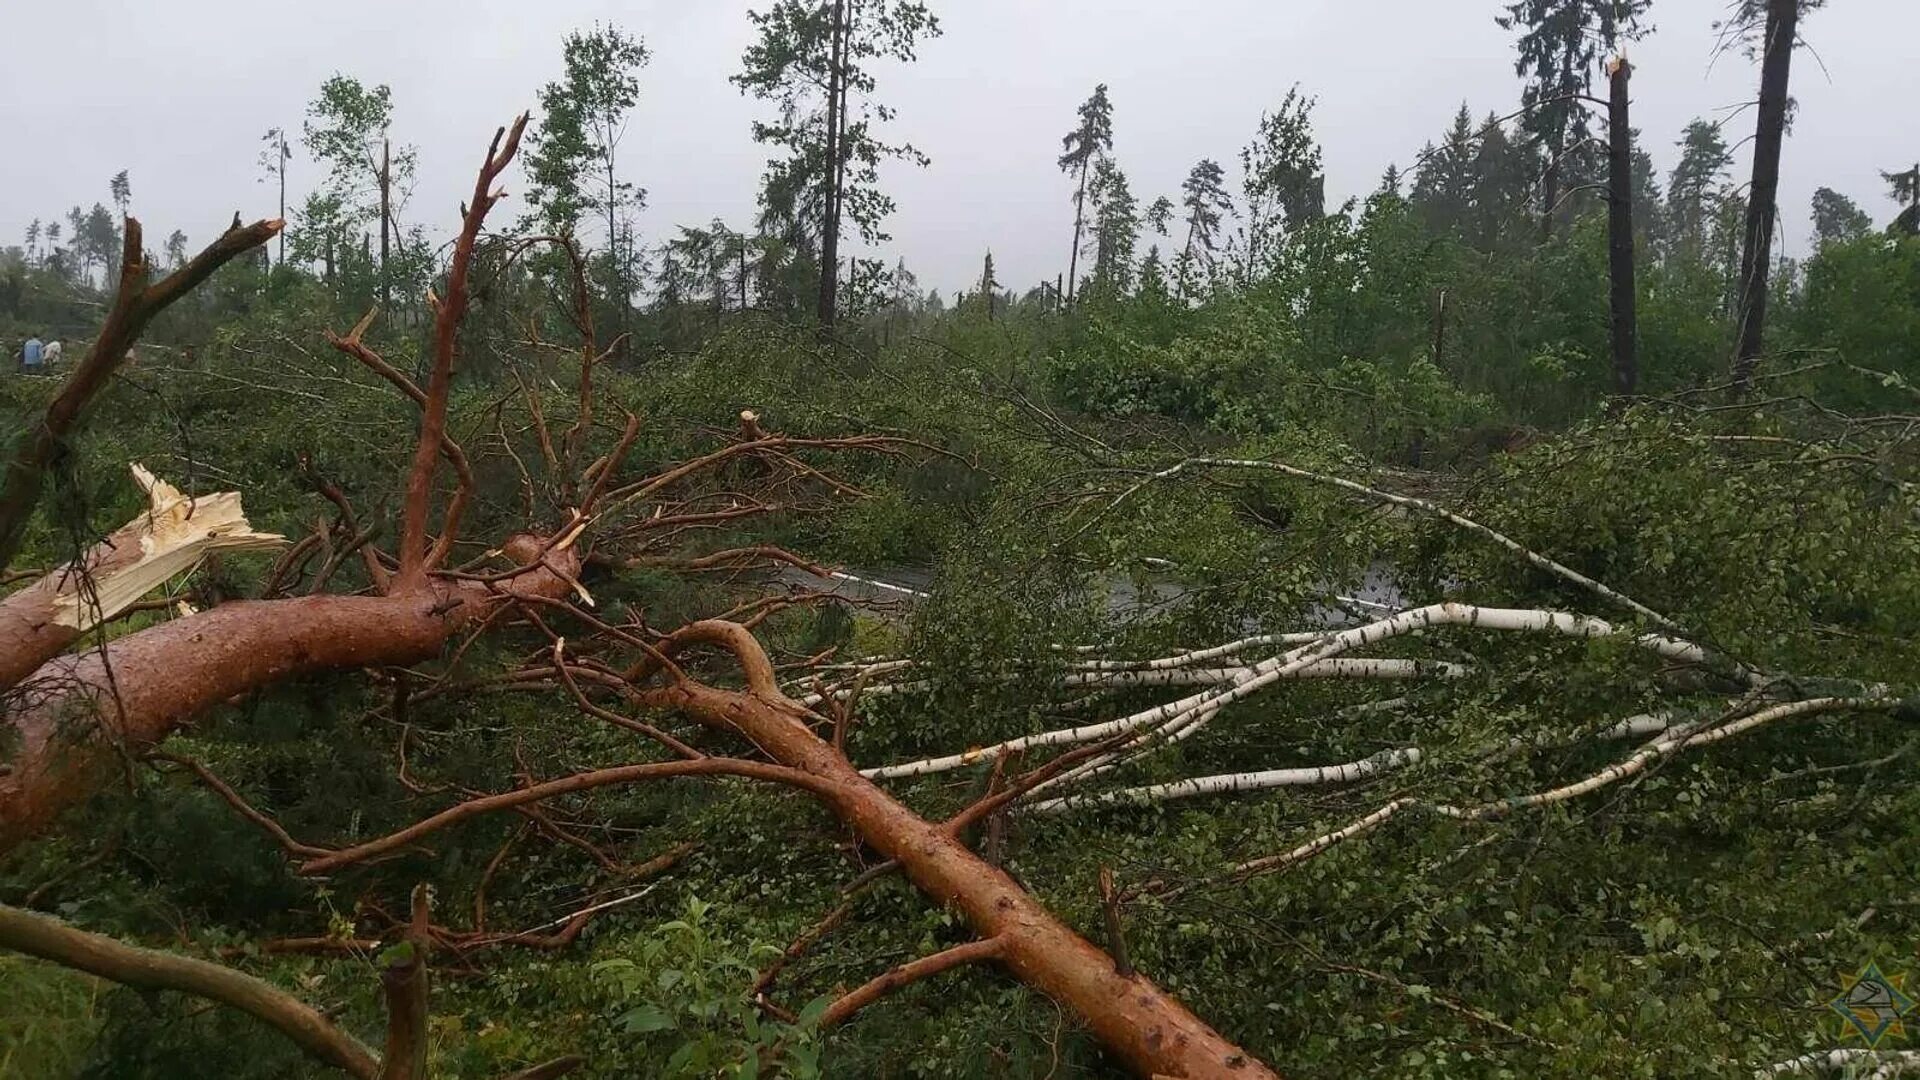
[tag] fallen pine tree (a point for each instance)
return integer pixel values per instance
(75, 715)
(717, 707)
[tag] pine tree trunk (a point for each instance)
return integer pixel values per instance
(1079, 222)
(827, 306)
(1620, 229)
(1783, 17)
(1138, 1022)
(85, 712)
(386, 215)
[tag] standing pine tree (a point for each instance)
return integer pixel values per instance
(1695, 189)
(1446, 179)
(176, 249)
(1837, 219)
(1500, 180)
(1203, 195)
(1560, 47)
(811, 58)
(1080, 148)
(572, 162)
(121, 189)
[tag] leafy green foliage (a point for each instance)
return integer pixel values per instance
(1688, 923)
(682, 985)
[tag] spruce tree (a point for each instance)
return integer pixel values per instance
(1560, 46)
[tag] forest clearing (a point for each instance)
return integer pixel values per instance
(1467, 629)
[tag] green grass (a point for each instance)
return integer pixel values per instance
(49, 1020)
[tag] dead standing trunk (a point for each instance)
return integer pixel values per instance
(1620, 229)
(386, 215)
(1783, 17)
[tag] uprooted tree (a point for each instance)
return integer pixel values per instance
(703, 694)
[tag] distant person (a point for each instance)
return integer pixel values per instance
(51, 355)
(32, 356)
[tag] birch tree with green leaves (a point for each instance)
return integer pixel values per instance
(348, 130)
(573, 162)
(1281, 177)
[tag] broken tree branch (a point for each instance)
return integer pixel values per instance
(905, 975)
(171, 537)
(415, 560)
(135, 304)
(150, 969)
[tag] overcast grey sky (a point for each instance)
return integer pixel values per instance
(180, 92)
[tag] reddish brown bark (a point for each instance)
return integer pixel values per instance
(29, 632)
(415, 560)
(77, 712)
(907, 974)
(1140, 1023)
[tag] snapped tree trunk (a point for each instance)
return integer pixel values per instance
(135, 304)
(282, 152)
(1620, 229)
(1783, 17)
(170, 537)
(78, 714)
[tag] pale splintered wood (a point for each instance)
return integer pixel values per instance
(174, 535)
